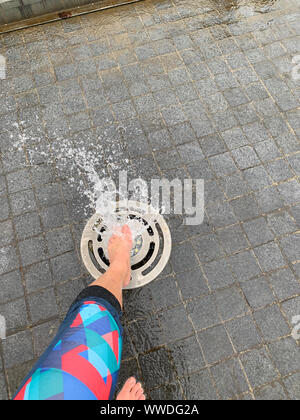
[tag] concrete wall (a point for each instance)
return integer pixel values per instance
(15, 10)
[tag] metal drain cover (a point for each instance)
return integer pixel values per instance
(150, 252)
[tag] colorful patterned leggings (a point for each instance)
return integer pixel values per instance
(83, 360)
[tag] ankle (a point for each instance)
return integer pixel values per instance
(118, 268)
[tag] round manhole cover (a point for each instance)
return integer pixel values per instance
(151, 248)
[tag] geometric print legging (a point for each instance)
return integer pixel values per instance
(83, 360)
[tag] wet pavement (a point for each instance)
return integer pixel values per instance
(200, 89)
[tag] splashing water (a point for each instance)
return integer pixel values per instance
(79, 159)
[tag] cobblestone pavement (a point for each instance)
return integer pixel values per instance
(182, 89)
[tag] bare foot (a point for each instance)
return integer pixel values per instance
(131, 390)
(119, 247)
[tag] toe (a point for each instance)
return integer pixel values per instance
(139, 392)
(130, 383)
(137, 387)
(142, 397)
(126, 230)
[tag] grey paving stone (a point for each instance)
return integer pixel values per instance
(284, 284)
(174, 115)
(258, 366)
(258, 292)
(165, 293)
(223, 164)
(269, 256)
(292, 386)
(33, 250)
(226, 81)
(206, 87)
(183, 256)
(243, 333)
(8, 259)
(285, 354)
(65, 267)
(245, 157)
(230, 303)
(22, 202)
(212, 145)
(273, 392)
(234, 138)
(244, 265)
(216, 103)
(267, 150)
(269, 199)
(186, 93)
(245, 207)
(201, 170)
(279, 170)
(15, 314)
(192, 284)
(159, 363)
(168, 160)
(18, 349)
(219, 274)
(27, 225)
(207, 247)
(282, 223)
(165, 98)
(257, 178)
(175, 323)
(16, 375)
(234, 186)
(167, 392)
(290, 192)
(212, 192)
(217, 66)
(54, 216)
(18, 181)
(215, 344)
(295, 162)
(291, 246)
(128, 350)
(13, 159)
(233, 239)
(3, 391)
(203, 312)
(11, 286)
(220, 214)
(42, 305)
(271, 322)
(6, 233)
(287, 142)
(258, 231)
(256, 132)
(203, 126)
(147, 333)
(245, 114)
(230, 379)
(200, 380)
(296, 268)
(182, 133)
(38, 276)
(291, 308)
(187, 356)
(190, 152)
(59, 241)
(235, 97)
